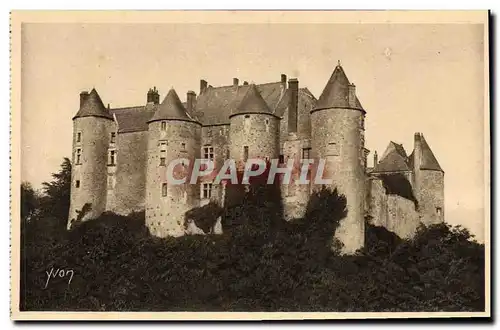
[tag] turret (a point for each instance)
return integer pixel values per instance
(92, 128)
(254, 131)
(428, 182)
(340, 143)
(172, 135)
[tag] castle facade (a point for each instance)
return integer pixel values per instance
(120, 155)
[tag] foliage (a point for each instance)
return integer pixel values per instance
(260, 263)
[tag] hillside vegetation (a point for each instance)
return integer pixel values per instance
(260, 263)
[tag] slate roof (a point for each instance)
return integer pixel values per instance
(394, 159)
(133, 119)
(171, 109)
(336, 92)
(216, 104)
(283, 103)
(213, 107)
(252, 102)
(93, 106)
(428, 160)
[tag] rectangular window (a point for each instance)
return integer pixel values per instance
(208, 152)
(282, 159)
(245, 153)
(163, 125)
(438, 211)
(306, 153)
(206, 191)
(79, 137)
(77, 184)
(112, 157)
(113, 137)
(162, 161)
(183, 146)
(78, 156)
(164, 189)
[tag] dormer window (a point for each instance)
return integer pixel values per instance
(163, 125)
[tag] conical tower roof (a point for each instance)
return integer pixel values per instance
(252, 102)
(171, 109)
(336, 92)
(93, 107)
(427, 159)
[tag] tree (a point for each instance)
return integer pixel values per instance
(57, 192)
(29, 201)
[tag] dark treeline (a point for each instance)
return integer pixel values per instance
(260, 263)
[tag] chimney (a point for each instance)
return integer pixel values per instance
(83, 97)
(351, 98)
(375, 158)
(235, 82)
(245, 83)
(153, 96)
(293, 101)
(283, 78)
(283, 84)
(417, 161)
(203, 86)
(191, 99)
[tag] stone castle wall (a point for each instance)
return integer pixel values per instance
(129, 191)
(218, 138)
(165, 211)
(91, 172)
(431, 196)
(339, 144)
(259, 132)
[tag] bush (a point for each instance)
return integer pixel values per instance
(118, 266)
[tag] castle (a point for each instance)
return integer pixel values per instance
(119, 155)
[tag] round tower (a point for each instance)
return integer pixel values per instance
(92, 127)
(337, 129)
(254, 129)
(173, 145)
(428, 182)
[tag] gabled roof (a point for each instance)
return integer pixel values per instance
(133, 119)
(171, 109)
(427, 159)
(216, 104)
(252, 102)
(93, 107)
(336, 92)
(394, 159)
(304, 94)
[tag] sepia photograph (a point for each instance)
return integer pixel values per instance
(233, 165)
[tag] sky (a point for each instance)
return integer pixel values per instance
(409, 78)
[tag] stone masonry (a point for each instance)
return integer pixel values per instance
(120, 156)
